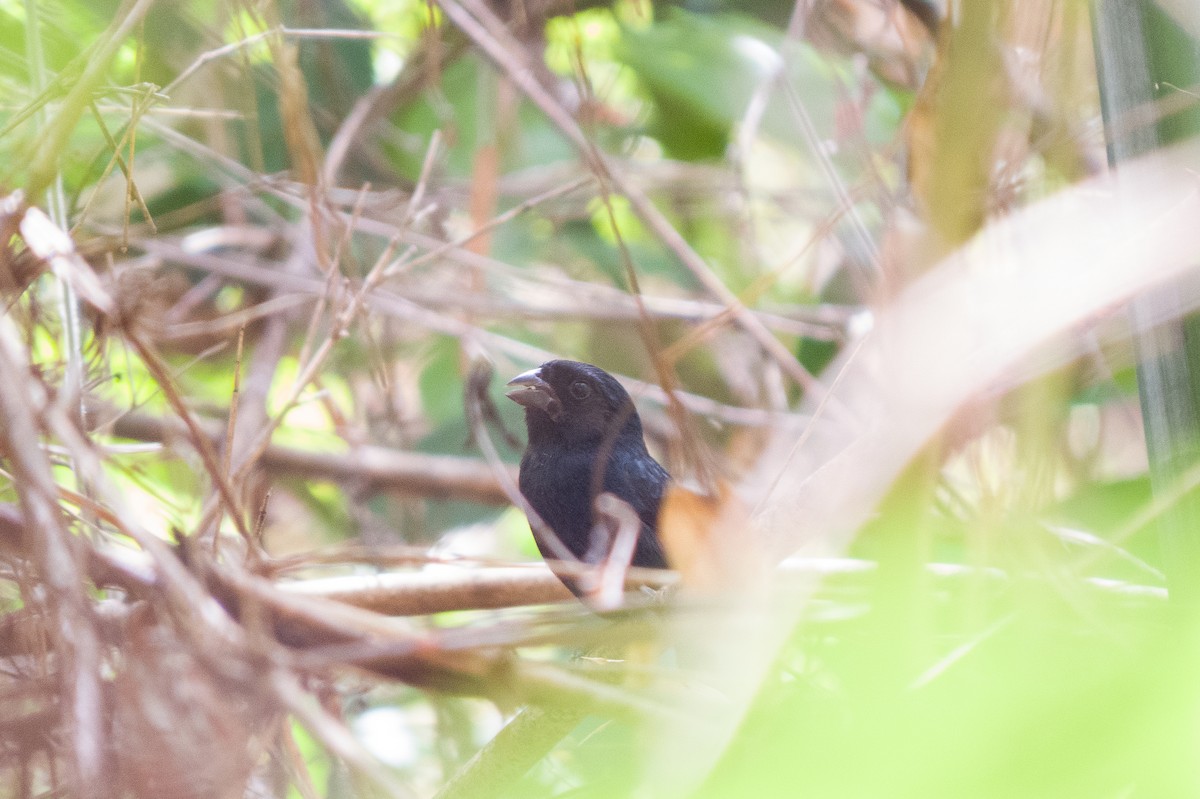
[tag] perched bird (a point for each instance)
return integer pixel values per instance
(585, 438)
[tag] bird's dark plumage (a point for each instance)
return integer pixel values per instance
(585, 438)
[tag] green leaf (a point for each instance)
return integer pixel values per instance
(702, 71)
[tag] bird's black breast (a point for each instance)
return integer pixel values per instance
(560, 483)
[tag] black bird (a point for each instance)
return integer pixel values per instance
(585, 438)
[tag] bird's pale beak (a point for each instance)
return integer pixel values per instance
(530, 390)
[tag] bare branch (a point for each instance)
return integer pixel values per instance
(413, 473)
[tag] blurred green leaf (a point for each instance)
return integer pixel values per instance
(701, 72)
(1039, 706)
(460, 107)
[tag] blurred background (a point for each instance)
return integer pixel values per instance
(900, 284)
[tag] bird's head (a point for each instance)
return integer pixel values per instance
(574, 402)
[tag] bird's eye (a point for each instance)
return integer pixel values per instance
(580, 390)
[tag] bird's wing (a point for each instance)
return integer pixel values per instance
(639, 480)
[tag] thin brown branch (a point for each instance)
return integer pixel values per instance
(493, 40)
(341, 325)
(392, 304)
(412, 473)
(440, 590)
(203, 444)
(446, 588)
(464, 661)
(58, 557)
